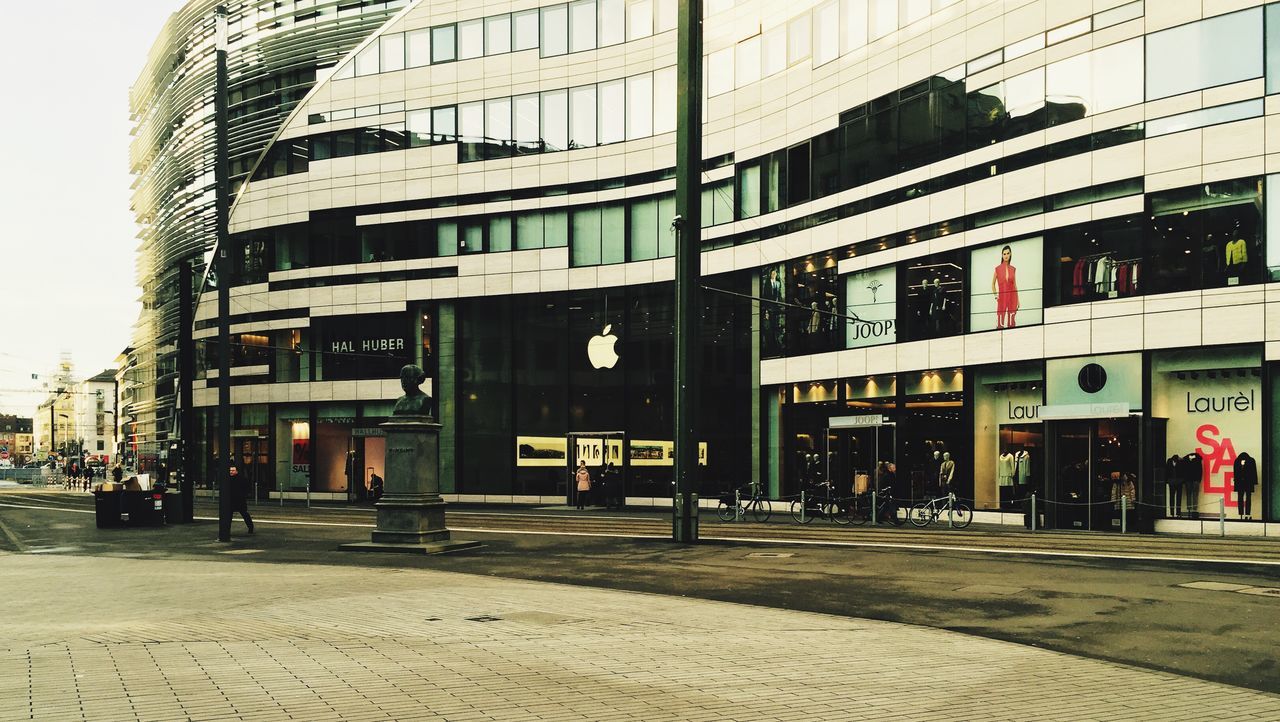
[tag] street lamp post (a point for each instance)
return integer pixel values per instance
(223, 261)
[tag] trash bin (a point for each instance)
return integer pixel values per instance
(173, 506)
(107, 508)
(145, 508)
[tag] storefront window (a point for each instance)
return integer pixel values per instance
(1006, 282)
(813, 313)
(1205, 236)
(931, 292)
(363, 347)
(1096, 261)
(1210, 404)
(934, 440)
(773, 312)
(1008, 436)
(872, 305)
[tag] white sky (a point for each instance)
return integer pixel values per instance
(67, 235)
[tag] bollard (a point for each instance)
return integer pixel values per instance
(951, 506)
(1222, 516)
(804, 505)
(875, 509)
(1033, 511)
(737, 505)
(1124, 513)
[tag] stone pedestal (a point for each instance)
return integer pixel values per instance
(411, 512)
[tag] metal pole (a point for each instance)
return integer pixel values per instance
(737, 505)
(1124, 513)
(1222, 516)
(221, 171)
(688, 226)
(804, 506)
(875, 508)
(1033, 511)
(186, 376)
(951, 506)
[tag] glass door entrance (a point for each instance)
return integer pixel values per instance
(1094, 464)
(859, 458)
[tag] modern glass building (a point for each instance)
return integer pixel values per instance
(1004, 246)
(275, 50)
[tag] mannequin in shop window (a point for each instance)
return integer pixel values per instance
(946, 473)
(1004, 286)
(1245, 480)
(1173, 482)
(1191, 472)
(1235, 255)
(937, 304)
(1021, 470)
(1005, 471)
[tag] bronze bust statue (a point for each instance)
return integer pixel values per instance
(414, 402)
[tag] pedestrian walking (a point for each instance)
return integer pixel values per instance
(88, 477)
(609, 486)
(117, 473)
(583, 479)
(240, 497)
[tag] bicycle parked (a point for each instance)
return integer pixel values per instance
(886, 508)
(958, 513)
(748, 499)
(820, 501)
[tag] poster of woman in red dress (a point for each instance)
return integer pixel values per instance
(1004, 286)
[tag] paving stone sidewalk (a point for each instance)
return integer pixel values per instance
(105, 638)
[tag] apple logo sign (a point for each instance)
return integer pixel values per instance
(600, 349)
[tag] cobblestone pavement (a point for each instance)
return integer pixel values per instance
(112, 638)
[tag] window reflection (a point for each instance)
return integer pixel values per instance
(1220, 50)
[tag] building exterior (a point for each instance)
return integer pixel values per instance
(15, 440)
(275, 50)
(83, 418)
(1007, 246)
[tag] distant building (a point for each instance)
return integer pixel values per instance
(15, 439)
(82, 416)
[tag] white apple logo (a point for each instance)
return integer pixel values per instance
(600, 349)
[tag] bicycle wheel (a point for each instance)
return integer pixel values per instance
(726, 511)
(961, 515)
(842, 512)
(921, 514)
(761, 510)
(801, 518)
(858, 512)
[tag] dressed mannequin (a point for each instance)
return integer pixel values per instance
(1173, 482)
(946, 472)
(1191, 471)
(935, 463)
(1005, 469)
(1245, 480)
(1021, 469)
(1235, 254)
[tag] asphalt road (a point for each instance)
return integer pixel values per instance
(1121, 609)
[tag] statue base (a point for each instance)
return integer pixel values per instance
(411, 514)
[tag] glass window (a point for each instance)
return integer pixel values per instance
(1024, 102)
(666, 234)
(348, 70)
(826, 163)
(871, 296)
(1083, 258)
(418, 125)
(640, 19)
(555, 30)
(555, 119)
(826, 33)
(585, 249)
(666, 16)
(884, 18)
(1069, 90)
(749, 190)
(1115, 16)
(368, 140)
(613, 103)
(613, 233)
(392, 47)
(1117, 75)
(931, 291)
(1208, 116)
(527, 111)
(497, 124)
(525, 30)
(582, 116)
(344, 143)
(444, 124)
(798, 39)
(442, 44)
(1205, 236)
(639, 106)
(1273, 48)
(471, 122)
(322, 147)
(555, 228)
(747, 70)
(798, 174)
(367, 59)
(470, 39)
(720, 72)
(990, 60)
(774, 45)
(1024, 47)
(664, 100)
(497, 34)
(471, 237)
(528, 230)
(582, 25)
(613, 22)
(499, 234)
(1068, 31)
(1199, 55)
(446, 238)
(853, 25)
(394, 137)
(644, 229)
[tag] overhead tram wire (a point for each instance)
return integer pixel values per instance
(850, 317)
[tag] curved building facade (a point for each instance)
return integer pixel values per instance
(275, 50)
(998, 246)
